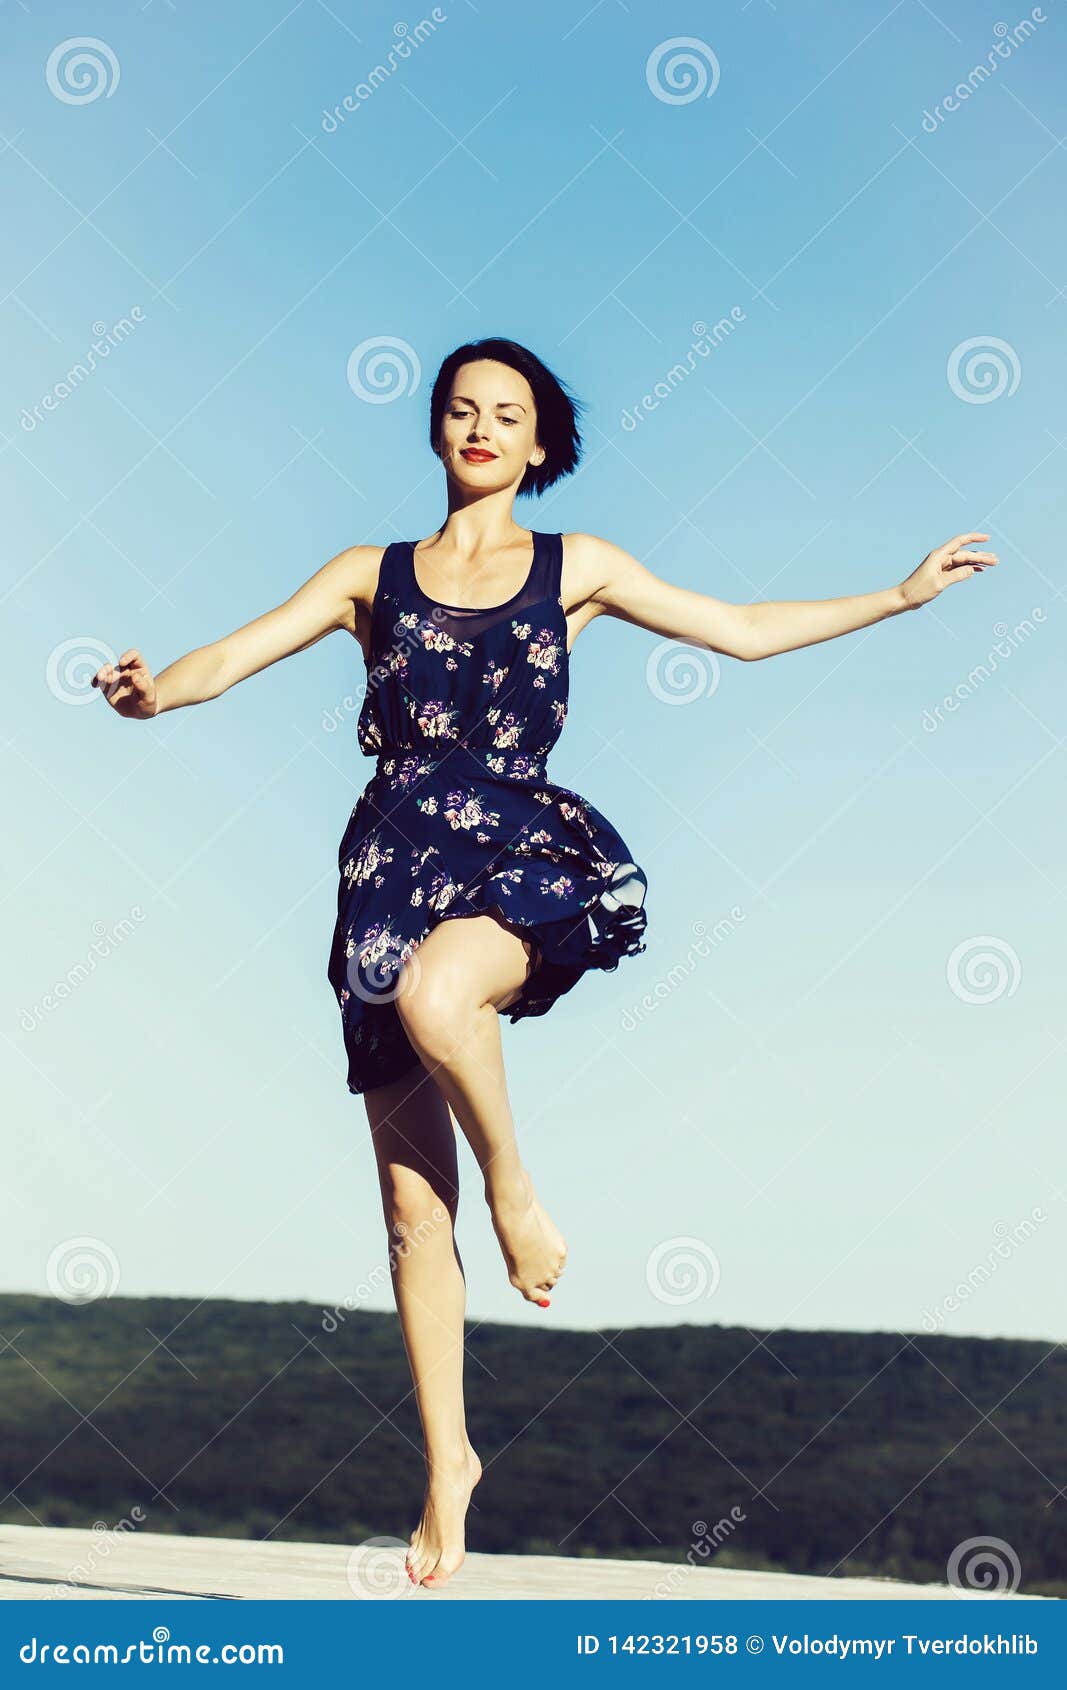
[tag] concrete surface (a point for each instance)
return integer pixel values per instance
(52, 1564)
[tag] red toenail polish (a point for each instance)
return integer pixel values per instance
(543, 1303)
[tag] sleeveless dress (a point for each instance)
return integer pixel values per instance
(462, 707)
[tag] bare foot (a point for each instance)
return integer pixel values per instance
(437, 1543)
(533, 1247)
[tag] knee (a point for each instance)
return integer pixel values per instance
(416, 1210)
(435, 1006)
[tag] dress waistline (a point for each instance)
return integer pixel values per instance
(409, 762)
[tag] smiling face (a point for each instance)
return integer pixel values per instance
(489, 427)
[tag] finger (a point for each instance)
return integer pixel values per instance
(134, 656)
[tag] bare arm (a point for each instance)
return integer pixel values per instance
(334, 597)
(608, 580)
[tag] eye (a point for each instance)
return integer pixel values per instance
(512, 420)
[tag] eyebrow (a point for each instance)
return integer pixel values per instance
(468, 401)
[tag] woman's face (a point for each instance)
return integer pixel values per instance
(489, 427)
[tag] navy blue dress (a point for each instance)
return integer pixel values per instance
(461, 709)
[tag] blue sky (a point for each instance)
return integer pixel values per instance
(841, 1104)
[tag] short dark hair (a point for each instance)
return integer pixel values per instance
(557, 408)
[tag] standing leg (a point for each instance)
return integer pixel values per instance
(415, 1149)
(450, 993)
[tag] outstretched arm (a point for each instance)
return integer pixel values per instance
(612, 582)
(329, 599)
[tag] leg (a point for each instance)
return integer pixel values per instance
(415, 1149)
(450, 993)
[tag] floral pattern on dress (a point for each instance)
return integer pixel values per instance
(461, 817)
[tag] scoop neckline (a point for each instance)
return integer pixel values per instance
(481, 609)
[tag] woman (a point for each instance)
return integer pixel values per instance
(467, 637)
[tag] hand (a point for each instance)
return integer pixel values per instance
(129, 688)
(947, 564)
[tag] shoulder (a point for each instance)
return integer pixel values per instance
(591, 565)
(355, 570)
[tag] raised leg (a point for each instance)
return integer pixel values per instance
(450, 994)
(415, 1149)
